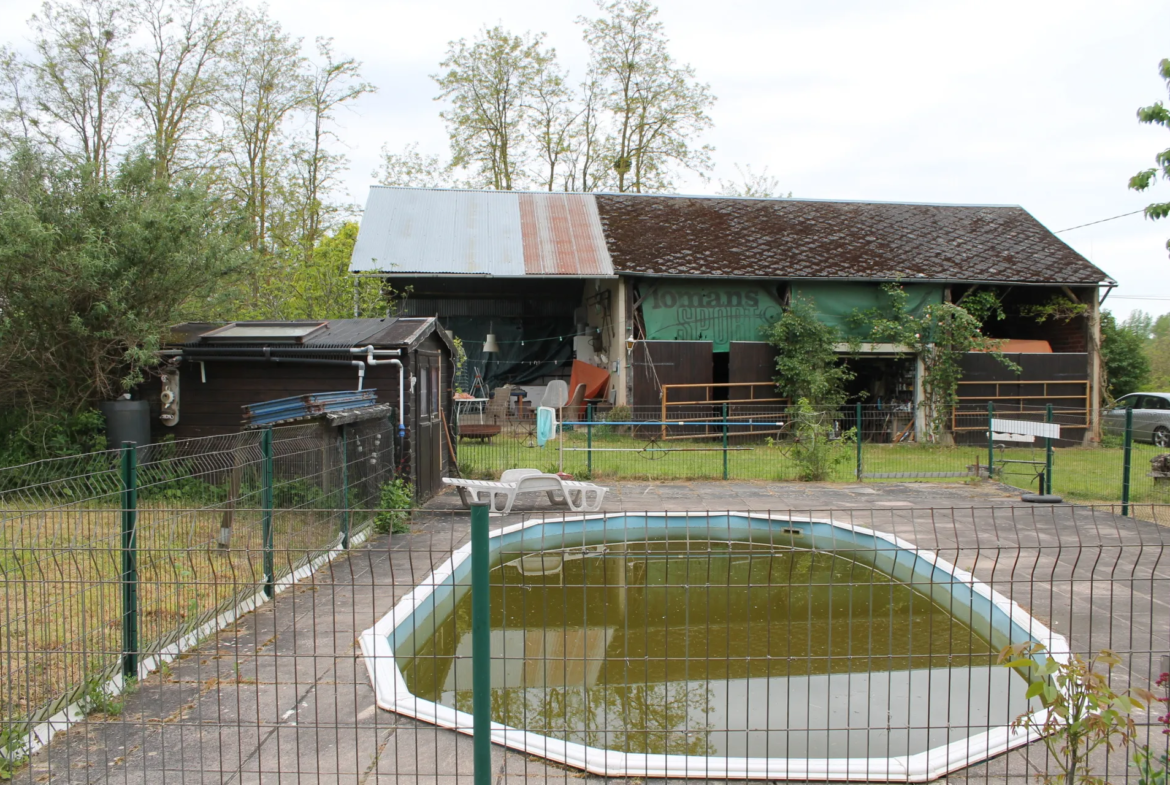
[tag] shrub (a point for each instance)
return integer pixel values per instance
(394, 506)
(621, 413)
(1084, 711)
(817, 448)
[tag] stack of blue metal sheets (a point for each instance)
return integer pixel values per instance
(301, 406)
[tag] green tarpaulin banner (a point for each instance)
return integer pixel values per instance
(708, 311)
(836, 302)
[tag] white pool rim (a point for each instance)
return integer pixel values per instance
(1008, 621)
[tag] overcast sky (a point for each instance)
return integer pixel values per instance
(990, 102)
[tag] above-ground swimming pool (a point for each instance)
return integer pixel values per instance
(733, 645)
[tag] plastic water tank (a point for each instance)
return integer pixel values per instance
(126, 421)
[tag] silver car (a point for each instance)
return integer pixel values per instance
(1151, 417)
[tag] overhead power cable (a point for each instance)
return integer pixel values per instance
(1103, 220)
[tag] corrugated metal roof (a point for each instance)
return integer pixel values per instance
(411, 231)
(562, 235)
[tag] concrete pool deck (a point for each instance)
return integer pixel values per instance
(283, 695)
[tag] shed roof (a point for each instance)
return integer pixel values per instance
(494, 233)
(337, 333)
(416, 231)
(801, 238)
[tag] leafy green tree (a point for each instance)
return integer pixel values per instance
(1155, 114)
(1126, 366)
(1158, 352)
(320, 286)
(93, 274)
(656, 106)
(807, 365)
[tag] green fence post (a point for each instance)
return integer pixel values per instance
(857, 436)
(589, 440)
(1048, 455)
(725, 441)
(344, 486)
(481, 652)
(1126, 466)
(266, 504)
(129, 560)
(990, 441)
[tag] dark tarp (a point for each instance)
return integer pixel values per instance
(529, 348)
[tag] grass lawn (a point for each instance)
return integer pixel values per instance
(60, 600)
(1091, 474)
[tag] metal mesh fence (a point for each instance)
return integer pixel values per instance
(772, 644)
(866, 443)
(114, 563)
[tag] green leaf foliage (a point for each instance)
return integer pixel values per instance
(1084, 712)
(807, 365)
(1126, 365)
(941, 337)
(395, 503)
(93, 274)
(1155, 114)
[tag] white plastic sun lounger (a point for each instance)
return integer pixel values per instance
(500, 496)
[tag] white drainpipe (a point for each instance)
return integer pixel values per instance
(371, 359)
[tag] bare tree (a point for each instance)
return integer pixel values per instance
(657, 108)
(264, 83)
(412, 169)
(488, 82)
(585, 162)
(753, 185)
(73, 95)
(551, 117)
(334, 82)
(177, 76)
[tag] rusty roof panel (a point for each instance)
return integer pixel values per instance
(792, 238)
(562, 235)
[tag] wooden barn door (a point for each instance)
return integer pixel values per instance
(428, 445)
(753, 362)
(658, 363)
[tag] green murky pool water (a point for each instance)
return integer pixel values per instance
(717, 649)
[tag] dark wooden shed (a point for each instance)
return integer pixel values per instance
(213, 370)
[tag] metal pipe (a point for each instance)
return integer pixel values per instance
(370, 351)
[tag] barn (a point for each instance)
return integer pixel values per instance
(663, 291)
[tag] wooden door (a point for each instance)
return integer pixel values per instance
(658, 363)
(428, 444)
(751, 361)
(754, 362)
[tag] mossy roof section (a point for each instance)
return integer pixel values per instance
(720, 237)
